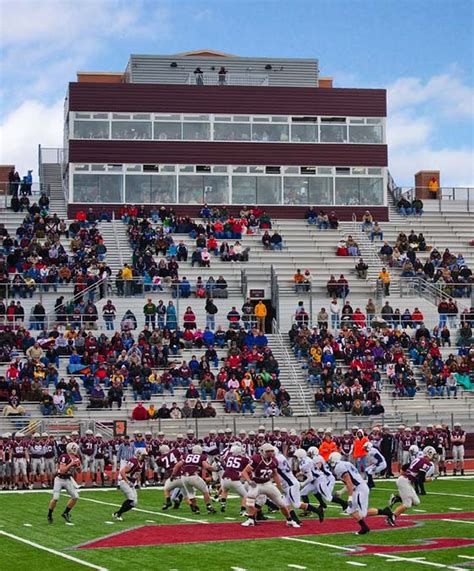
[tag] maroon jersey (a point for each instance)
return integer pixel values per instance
(278, 441)
(212, 445)
(181, 447)
(375, 440)
(406, 442)
(226, 444)
(66, 459)
(233, 466)
(456, 437)
(418, 465)
(263, 469)
(87, 446)
(49, 449)
(192, 464)
(345, 444)
(102, 450)
(292, 444)
(418, 435)
(190, 443)
(169, 461)
(19, 450)
(135, 469)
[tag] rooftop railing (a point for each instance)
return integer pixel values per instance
(252, 79)
(447, 198)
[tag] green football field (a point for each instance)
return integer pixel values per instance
(27, 542)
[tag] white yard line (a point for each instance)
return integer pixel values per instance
(387, 556)
(83, 499)
(415, 560)
(53, 551)
(356, 564)
(312, 542)
(294, 566)
(430, 493)
(455, 509)
(419, 511)
(459, 521)
(466, 557)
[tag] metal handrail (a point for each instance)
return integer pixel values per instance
(430, 291)
(208, 78)
(289, 362)
(117, 244)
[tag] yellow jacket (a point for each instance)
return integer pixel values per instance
(127, 273)
(260, 310)
(385, 277)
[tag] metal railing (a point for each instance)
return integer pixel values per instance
(339, 421)
(449, 198)
(208, 78)
(292, 370)
(275, 294)
(32, 191)
(420, 287)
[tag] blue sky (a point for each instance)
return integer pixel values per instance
(422, 52)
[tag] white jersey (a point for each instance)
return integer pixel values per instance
(343, 468)
(375, 457)
(324, 467)
(285, 472)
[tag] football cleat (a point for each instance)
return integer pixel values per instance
(50, 518)
(391, 520)
(261, 517)
(320, 513)
(176, 504)
(242, 512)
(210, 510)
(248, 523)
(66, 516)
(363, 531)
(167, 504)
(116, 516)
(292, 523)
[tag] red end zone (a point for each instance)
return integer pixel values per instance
(197, 533)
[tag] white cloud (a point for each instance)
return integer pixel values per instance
(24, 128)
(419, 112)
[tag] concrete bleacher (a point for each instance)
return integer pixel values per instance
(305, 247)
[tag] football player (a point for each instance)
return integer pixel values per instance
(37, 452)
(69, 466)
(291, 487)
(129, 477)
(49, 457)
(420, 469)
(21, 458)
(88, 450)
(458, 439)
(174, 488)
(376, 462)
(358, 493)
(233, 463)
(189, 469)
(102, 451)
(263, 480)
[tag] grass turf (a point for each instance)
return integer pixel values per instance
(274, 554)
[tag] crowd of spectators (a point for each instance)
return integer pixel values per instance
(321, 219)
(348, 353)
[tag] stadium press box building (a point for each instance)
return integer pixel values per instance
(209, 127)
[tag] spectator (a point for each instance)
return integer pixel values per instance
(367, 221)
(276, 241)
(384, 277)
(109, 313)
(298, 280)
(140, 412)
(260, 313)
(361, 269)
(211, 311)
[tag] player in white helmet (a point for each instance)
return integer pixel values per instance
(291, 486)
(418, 471)
(376, 463)
(69, 466)
(129, 477)
(358, 493)
(232, 464)
(319, 480)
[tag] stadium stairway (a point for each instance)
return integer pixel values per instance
(52, 179)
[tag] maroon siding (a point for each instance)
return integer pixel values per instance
(288, 212)
(139, 97)
(202, 153)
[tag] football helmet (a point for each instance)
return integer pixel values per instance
(72, 448)
(300, 454)
(139, 452)
(368, 446)
(334, 458)
(236, 450)
(197, 449)
(313, 451)
(164, 449)
(430, 452)
(413, 450)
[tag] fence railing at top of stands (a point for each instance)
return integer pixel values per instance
(338, 421)
(32, 191)
(51, 155)
(208, 78)
(449, 198)
(290, 364)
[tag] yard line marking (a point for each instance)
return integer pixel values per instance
(459, 521)
(238, 569)
(455, 509)
(144, 511)
(435, 493)
(150, 521)
(417, 560)
(230, 518)
(466, 557)
(294, 566)
(420, 511)
(53, 551)
(312, 542)
(27, 525)
(110, 522)
(356, 564)
(69, 523)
